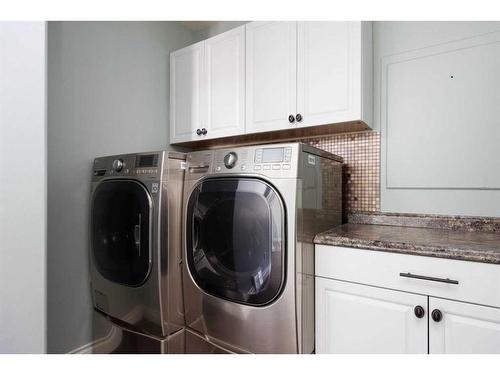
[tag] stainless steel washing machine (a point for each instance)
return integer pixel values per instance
(135, 244)
(250, 216)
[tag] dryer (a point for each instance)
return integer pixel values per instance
(135, 241)
(250, 217)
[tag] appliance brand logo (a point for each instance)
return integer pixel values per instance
(311, 159)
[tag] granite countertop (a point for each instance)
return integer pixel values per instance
(464, 238)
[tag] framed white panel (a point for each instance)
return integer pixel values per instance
(225, 83)
(358, 319)
(271, 75)
(186, 92)
(442, 117)
(438, 156)
(464, 329)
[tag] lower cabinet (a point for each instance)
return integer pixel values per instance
(463, 328)
(354, 318)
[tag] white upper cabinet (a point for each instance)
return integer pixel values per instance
(186, 86)
(225, 84)
(207, 88)
(271, 75)
(268, 76)
(307, 73)
(334, 72)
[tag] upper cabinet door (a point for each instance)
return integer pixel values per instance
(225, 84)
(464, 328)
(334, 72)
(271, 87)
(186, 89)
(357, 319)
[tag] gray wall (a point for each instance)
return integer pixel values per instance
(22, 187)
(107, 94)
(442, 155)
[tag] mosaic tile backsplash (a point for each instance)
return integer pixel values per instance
(361, 173)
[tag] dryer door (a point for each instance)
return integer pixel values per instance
(121, 230)
(235, 239)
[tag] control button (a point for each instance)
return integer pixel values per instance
(257, 168)
(267, 167)
(286, 166)
(118, 165)
(243, 167)
(230, 160)
(276, 166)
(218, 168)
(258, 156)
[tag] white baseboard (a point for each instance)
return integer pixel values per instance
(113, 336)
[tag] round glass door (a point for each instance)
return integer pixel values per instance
(235, 239)
(120, 231)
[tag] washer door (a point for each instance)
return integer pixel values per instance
(235, 239)
(120, 231)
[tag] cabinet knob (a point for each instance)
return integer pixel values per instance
(198, 131)
(419, 311)
(299, 117)
(437, 315)
(291, 119)
(204, 131)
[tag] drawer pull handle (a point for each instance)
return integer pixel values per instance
(429, 278)
(198, 168)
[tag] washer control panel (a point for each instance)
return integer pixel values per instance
(274, 158)
(260, 159)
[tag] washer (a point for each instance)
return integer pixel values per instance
(135, 252)
(250, 215)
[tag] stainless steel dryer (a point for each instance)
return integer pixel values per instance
(135, 252)
(250, 216)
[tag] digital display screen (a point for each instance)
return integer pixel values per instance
(272, 155)
(147, 161)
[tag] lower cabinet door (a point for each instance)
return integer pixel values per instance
(353, 318)
(459, 327)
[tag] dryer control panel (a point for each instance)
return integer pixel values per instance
(272, 160)
(147, 166)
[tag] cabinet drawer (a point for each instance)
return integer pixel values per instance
(476, 282)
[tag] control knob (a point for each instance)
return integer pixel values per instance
(230, 160)
(118, 165)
